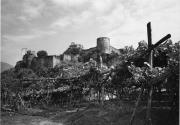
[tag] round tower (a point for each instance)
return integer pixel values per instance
(103, 44)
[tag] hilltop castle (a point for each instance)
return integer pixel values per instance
(50, 61)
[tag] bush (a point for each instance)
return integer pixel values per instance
(26, 73)
(42, 53)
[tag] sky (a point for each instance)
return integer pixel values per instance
(52, 25)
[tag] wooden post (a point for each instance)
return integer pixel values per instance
(22, 101)
(149, 34)
(101, 94)
(150, 44)
(151, 47)
(136, 105)
(148, 113)
(71, 95)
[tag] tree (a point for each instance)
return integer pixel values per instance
(142, 46)
(42, 53)
(19, 65)
(28, 57)
(74, 49)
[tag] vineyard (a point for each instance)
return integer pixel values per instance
(144, 77)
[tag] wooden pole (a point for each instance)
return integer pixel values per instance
(22, 102)
(102, 95)
(162, 40)
(136, 105)
(148, 113)
(149, 34)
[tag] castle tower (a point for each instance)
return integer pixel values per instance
(103, 45)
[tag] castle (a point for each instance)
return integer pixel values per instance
(103, 46)
(50, 61)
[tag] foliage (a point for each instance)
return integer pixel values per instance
(42, 53)
(64, 70)
(39, 69)
(8, 76)
(130, 73)
(28, 57)
(26, 73)
(86, 55)
(71, 69)
(146, 75)
(10, 79)
(142, 46)
(165, 73)
(9, 86)
(19, 65)
(74, 49)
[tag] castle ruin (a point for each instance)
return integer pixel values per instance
(103, 47)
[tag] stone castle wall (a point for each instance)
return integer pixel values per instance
(112, 49)
(49, 61)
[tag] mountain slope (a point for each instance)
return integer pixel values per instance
(5, 66)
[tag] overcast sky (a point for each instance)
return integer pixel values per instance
(52, 25)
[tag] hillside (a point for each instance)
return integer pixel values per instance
(5, 66)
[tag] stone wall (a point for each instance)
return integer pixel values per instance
(56, 60)
(112, 49)
(49, 61)
(66, 57)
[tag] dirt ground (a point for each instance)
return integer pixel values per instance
(92, 115)
(18, 119)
